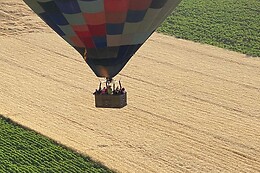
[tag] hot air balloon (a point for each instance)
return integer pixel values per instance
(107, 33)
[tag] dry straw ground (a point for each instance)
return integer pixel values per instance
(192, 107)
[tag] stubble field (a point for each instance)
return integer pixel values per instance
(191, 107)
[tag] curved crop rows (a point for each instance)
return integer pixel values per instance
(24, 151)
(191, 107)
(229, 24)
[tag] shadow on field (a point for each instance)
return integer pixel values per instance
(85, 157)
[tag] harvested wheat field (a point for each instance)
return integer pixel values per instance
(191, 107)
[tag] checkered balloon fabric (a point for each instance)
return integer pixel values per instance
(106, 33)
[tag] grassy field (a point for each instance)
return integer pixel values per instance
(230, 24)
(24, 151)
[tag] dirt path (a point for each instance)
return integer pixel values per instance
(192, 107)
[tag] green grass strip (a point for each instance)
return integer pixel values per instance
(25, 151)
(229, 24)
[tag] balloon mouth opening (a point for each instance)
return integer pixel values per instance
(103, 72)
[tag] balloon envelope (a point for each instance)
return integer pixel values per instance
(106, 33)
